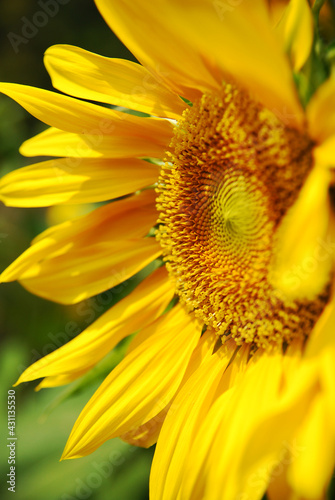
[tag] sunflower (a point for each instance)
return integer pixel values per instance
(224, 180)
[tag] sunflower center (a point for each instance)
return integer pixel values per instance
(234, 170)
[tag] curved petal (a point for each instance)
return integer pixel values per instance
(58, 380)
(276, 10)
(80, 258)
(321, 111)
(296, 31)
(140, 386)
(119, 82)
(154, 37)
(58, 181)
(272, 442)
(73, 277)
(180, 427)
(212, 468)
(320, 351)
(80, 117)
(246, 32)
(120, 220)
(312, 467)
(54, 142)
(186, 37)
(324, 154)
(304, 255)
(322, 338)
(147, 434)
(138, 309)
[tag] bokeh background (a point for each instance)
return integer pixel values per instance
(31, 327)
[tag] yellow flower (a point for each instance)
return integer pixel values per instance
(236, 380)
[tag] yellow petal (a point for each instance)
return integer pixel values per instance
(235, 455)
(83, 257)
(57, 181)
(312, 468)
(208, 38)
(58, 214)
(140, 386)
(324, 154)
(272, 443)
(304, 254)
(321, 112)
(276, 10)
(317, 435)
(194, 481)
(112, 222)
(154, 37)
(320, 350)
(296, 32)
(54, 142)
(119, 82)
(135, 311)
(322, 338)
(213, 465)
(79, 117)
(147, 434)
(237, 39)
(181, 425)
(75, 276)
(58, 380)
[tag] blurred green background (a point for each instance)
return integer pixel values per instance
(31, 327)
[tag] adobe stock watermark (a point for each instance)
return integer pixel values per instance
(285, 115)
(31, 27)
(324, 249)
(264, 476)
(223, 6)
(100, 472)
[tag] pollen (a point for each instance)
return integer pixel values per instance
(233, 170)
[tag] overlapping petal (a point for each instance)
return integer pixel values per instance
(54, 142)
(147, 434)
(324, 153)
(140, 386)
(60, 181)
(181, 425)
(80, 117)
(58, 380)
(296, 32)
(141, 307)
(165, 50)
(118, 82)
(238, 38)
(272, 443)
(303, 265)
(83, 257)
(320, 350)
(321, 112)
(215, 470)
(312, 466)
(83, 273)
